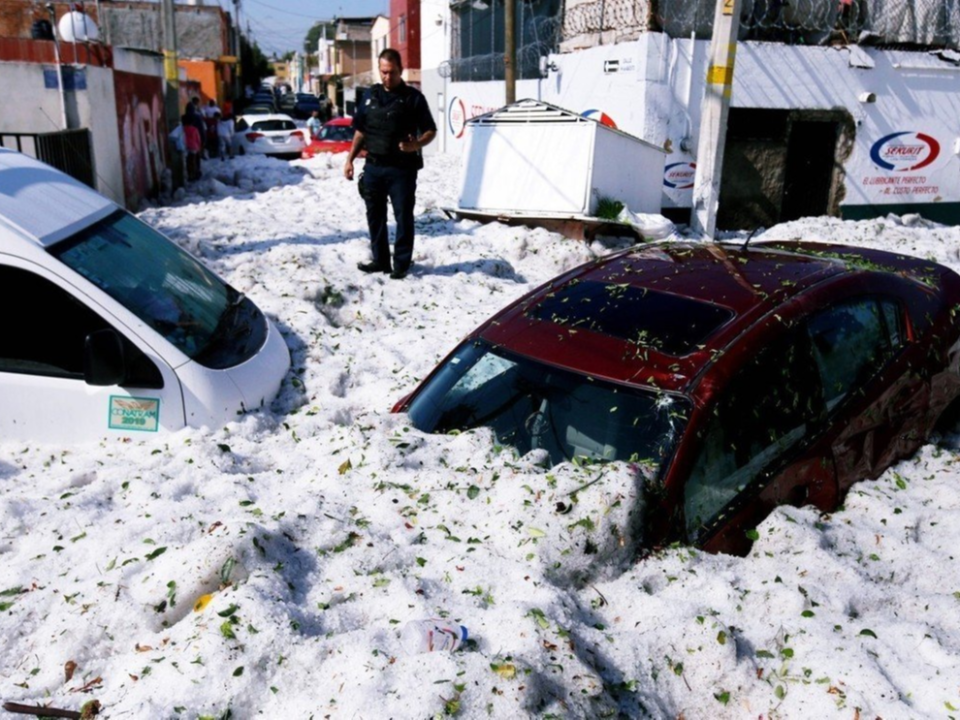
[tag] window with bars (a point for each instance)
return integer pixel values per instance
(478, 37)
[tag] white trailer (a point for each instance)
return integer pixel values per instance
(531, 158)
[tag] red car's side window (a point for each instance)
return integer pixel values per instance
(851, 342)
(768, 408)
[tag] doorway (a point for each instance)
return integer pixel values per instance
(781, 165)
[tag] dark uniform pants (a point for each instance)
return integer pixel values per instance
(400, 185)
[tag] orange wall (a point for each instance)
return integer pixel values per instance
(207, 74)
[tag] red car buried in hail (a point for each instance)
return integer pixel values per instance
(736, 378)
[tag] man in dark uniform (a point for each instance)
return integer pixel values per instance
(393, 123)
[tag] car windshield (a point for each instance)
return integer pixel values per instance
(337, 133)
(533, 406)
(273, 125)
(166, 288)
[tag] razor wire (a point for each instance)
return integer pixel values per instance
(543, 35)
(928, 23)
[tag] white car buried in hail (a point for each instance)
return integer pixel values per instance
(268, 135)
(109, 328)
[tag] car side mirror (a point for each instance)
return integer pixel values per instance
(104, 362)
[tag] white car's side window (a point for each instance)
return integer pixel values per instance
(57, 349)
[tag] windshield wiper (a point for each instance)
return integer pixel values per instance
(238, 297)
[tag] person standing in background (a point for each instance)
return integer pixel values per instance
(194, 145)
(314, 124)
(224, 137)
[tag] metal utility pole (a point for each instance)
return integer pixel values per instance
(237, 53)
(56, 50)
(172, 87)
(510, 49)
(713, 117)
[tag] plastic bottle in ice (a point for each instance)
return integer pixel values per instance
(432, 635)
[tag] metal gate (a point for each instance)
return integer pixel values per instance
(66, 150)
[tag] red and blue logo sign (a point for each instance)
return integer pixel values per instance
(600, 116)
(905, 151)
(679, 176)
(457, 117)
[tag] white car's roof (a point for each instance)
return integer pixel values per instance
(43, 203)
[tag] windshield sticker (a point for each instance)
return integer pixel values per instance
(134, 413)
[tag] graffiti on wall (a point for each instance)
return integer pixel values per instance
(140, 115)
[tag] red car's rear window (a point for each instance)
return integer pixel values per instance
(668, 323)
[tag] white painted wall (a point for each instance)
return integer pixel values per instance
(97, 109)
(37, 110)
(135, 61)
(434, 33)
(379, 38)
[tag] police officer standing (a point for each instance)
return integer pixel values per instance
(393, 123)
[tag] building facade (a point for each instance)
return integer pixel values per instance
(205, 35)
(405, 36)
(819, 124)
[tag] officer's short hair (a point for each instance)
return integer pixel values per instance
(393, 56)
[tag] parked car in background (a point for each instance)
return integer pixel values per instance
(269, 135)
(306, 104)
(265, 98)
(259, 109)
(335, 136)
(110, 329)
(735, 378)
(287, 103)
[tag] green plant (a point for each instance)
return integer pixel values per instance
(608, 208)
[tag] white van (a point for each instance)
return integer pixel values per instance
(109, 328)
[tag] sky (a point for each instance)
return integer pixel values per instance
(281, 25)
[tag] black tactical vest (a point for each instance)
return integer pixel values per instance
(388, 125)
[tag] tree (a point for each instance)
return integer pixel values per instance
(316, 32)
(254, 65)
